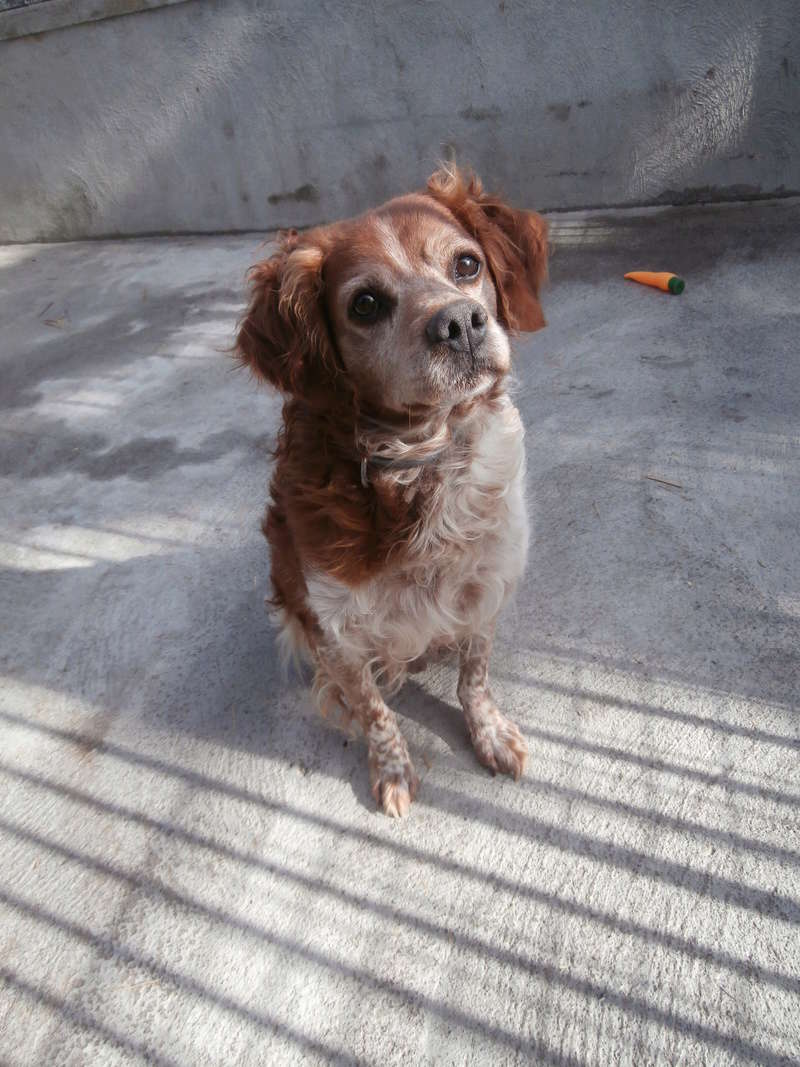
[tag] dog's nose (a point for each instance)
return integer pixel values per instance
(461, 326)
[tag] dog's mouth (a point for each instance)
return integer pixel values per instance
(465, 372)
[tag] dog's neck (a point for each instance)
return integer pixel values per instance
(388, 443)
(419, 435)
(385, 446)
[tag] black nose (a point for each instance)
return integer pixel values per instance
(461, 326)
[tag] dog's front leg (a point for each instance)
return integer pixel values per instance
(497, 741)
(392, 777)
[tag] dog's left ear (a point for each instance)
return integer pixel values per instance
(515, 243)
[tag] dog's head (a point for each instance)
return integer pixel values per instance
(408, 306)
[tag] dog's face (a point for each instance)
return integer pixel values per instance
(413, 308)
(410, 304)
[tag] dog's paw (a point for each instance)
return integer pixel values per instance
(394, 792)
(498, 744)
(392, 776)
(394, 787)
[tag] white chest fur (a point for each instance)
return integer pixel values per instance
(464, 560)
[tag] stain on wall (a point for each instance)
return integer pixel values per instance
(303, 194)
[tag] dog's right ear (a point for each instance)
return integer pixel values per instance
(283, 333)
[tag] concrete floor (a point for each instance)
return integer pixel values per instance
(193, 871)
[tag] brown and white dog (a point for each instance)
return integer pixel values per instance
(397, 521)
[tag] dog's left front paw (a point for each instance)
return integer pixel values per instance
(498, 744)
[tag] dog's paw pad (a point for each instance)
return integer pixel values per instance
(500, 746)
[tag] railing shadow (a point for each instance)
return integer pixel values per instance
(373, 841)
(156, 890)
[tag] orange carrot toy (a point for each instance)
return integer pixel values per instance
(670, 283)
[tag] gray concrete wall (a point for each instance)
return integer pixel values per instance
(208, 116)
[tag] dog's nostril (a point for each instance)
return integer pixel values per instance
(478, 319)
(453, 330)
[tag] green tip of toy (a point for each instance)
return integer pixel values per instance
(676, 285)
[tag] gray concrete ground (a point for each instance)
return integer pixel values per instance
(193, 871)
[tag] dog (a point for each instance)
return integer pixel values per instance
(397, 521)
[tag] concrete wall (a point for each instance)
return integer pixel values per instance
(234, 115)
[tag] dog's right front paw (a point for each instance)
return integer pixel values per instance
(394, 792)
(392, 776)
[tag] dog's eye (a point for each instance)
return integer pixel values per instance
(467, 266)
(365, 306)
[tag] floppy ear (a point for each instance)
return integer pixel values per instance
(283, 336)
(515, 243)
